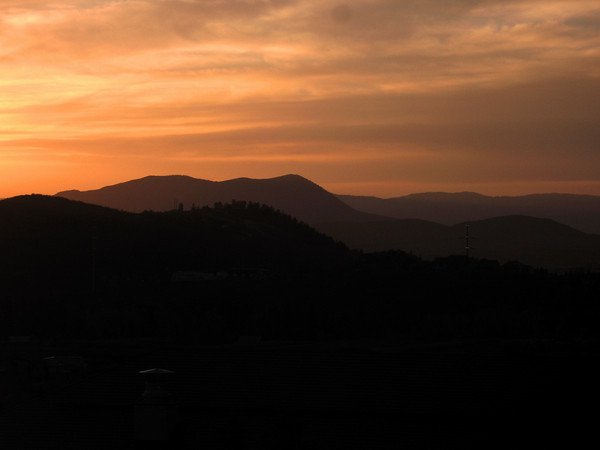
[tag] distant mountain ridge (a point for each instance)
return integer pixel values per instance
(291, 194)
(528, 228)
(309, 202)
(579, 211)
(529, 240)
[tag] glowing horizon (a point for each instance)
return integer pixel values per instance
(371, 97)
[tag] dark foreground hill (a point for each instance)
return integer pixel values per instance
(578, 211)
(73, 269)
(323, 348)
(533, 241)
(291, 194)
(68, 241)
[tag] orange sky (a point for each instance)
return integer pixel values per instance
(378, 97)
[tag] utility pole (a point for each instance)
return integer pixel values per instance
(467, 246)
(94, 239)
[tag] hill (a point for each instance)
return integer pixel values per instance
(70, 269)
(578, 211)
(530, 240)
(291, 194)
(59, 239)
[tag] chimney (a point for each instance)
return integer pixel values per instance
(155, 410)
(52, 371)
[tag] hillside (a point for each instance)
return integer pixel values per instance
(534, 241)
(59, 239)
(291, 194)
(70, 269)
(578, 211)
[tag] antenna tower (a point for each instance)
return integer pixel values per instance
(467, 245)
(94, 240)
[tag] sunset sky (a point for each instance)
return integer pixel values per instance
(378, 97)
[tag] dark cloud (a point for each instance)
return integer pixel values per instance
(342, 13)
(584, 24)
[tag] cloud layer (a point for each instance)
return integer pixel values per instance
(370, 96)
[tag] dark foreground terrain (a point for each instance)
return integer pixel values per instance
(278, 336)
(350, 394)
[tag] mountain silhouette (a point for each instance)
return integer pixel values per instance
(291, 194)
(57, 239)
(578, 211)
(530, 240)
(526, 228)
